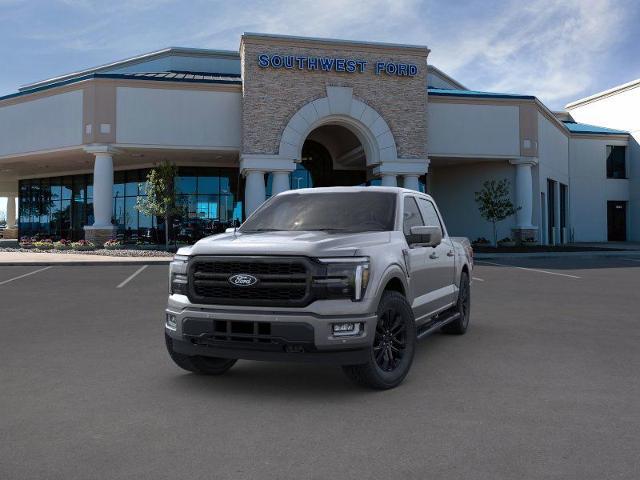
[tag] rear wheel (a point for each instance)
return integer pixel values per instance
(200, 365)
(393, 346)
(463, 307)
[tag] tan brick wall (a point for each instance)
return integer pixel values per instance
(271, 96)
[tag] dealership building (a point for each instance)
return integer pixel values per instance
(289, 112)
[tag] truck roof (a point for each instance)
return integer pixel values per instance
(352, 189)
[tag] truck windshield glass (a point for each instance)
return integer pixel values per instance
(331, 212)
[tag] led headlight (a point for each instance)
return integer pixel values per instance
(346, 277)
(178, 279)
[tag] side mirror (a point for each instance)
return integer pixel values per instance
(425, 236)
(229, 230)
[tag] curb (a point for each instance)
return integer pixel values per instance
(88, 263)
(617, 253)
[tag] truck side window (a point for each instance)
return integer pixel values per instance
(431, 217)
(412, 216)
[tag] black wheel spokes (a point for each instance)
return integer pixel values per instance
(389, 343)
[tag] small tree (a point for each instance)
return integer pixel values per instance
(494, 203)
(160, 199)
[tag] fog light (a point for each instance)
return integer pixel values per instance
(345, 329)
(171, 322)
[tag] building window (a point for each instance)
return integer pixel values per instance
(59, 207)
(616, 164)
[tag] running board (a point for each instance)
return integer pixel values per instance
(437, 325)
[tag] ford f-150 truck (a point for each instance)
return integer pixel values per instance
(350, 276)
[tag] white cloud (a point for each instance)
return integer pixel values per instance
(546, 48)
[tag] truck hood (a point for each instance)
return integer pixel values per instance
(312, 244)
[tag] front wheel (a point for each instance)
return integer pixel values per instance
(200, 365)
(393, 346)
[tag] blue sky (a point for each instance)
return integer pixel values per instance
(557, 50)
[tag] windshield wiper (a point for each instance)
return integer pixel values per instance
(260, 230)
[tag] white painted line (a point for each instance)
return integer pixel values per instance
(528, 269)
(25, 275)
(132, 276)
(477, 279)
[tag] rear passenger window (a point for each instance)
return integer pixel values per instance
(431, 218)
(411, 216)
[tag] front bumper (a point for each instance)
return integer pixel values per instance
(269, 335)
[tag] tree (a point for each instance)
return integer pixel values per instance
(494, 203)
(160, 199)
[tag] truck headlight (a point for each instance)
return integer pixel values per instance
(346, 277)
(178, 279)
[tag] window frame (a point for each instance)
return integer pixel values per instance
(608, 151)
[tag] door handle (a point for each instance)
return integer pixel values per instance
(433, 255)
(450, 253)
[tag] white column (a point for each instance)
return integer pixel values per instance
(11, 212)
(389, 180)
(524, 193)
(103, 190)
(280, 182)
(411, 182)
(254, 191)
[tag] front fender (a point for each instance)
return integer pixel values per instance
(393, 271)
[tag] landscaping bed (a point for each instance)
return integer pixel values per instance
(101, 252)
(539, 248)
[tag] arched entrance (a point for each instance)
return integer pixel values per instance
(333, 156)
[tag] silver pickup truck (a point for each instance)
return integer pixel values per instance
(349, 276)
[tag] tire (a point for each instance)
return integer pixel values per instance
(197, 364)
(393, 346)
(463, 306)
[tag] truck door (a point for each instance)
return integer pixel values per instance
(440, 269)
(416, 259)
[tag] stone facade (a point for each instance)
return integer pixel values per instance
(272, 96)
(99, 236)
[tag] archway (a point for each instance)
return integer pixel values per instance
(333, 156)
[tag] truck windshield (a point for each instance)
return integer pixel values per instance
(356, 211)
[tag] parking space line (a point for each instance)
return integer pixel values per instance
(528, 269)
(132, 276)
(477, 279)
(25, 275)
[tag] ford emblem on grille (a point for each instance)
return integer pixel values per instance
(242, 280)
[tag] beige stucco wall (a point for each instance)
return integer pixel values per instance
(272, 96)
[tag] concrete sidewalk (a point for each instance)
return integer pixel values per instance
(635, 254)
(36, 259)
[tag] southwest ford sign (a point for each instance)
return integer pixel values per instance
(333, 64)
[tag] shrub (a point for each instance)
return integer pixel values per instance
(62, 245)
(46, 244)
(481, 241)
(83, 245)
(112, 244)
(26, 242)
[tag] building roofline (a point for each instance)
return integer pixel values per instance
(445, 92)
(605, 93)
(120, 76)
(423, 49)
(132, 61)
(448, 78)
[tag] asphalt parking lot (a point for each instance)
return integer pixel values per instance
(546, 384)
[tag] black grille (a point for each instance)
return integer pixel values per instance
(252, 335)
(282, 281)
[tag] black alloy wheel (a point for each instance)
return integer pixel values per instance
(393, 345)
(390, 341)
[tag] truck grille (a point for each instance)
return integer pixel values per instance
(281, 281)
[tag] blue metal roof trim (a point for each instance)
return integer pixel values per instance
(585, 128)
(444, 92)
(226, 79)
